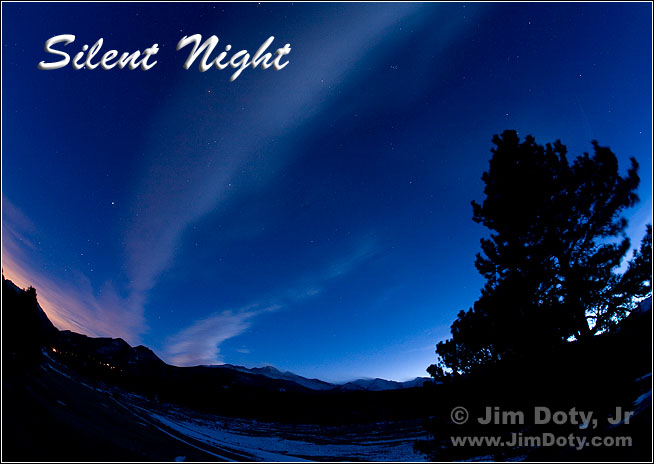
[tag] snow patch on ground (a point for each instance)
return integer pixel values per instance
(296, 442)
(52, 368)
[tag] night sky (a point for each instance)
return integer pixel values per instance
(315, 218)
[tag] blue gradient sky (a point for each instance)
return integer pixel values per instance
(316, 218)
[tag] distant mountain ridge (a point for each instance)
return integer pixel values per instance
(114, 357)
(382, 384)
(376, 384)
(274, 373)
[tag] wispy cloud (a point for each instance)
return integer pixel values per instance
(71, 303)
(312, 284)
(200, 342)
(189, 172)
(185, 180)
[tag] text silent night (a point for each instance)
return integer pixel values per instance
(90, 58)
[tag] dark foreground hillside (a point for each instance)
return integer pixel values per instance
(607, 372)
(68, 397)
(211, 389)
(50, 415)
(71, 397)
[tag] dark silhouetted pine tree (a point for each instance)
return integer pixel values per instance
(550, 263)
